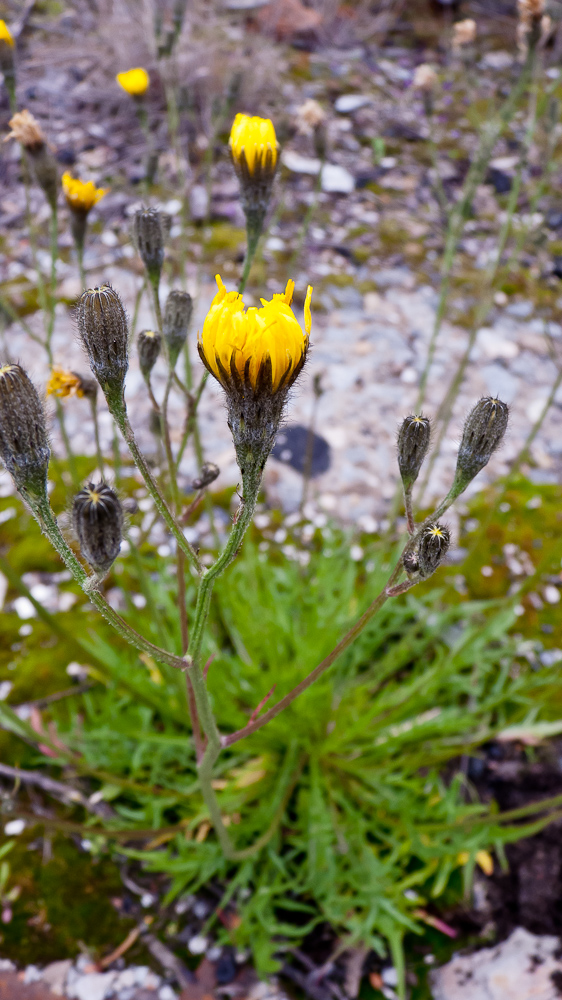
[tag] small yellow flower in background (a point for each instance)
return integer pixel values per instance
(6, 34)
(134, 81)
(81, 196)
(483, 859)
(265, 348)
(64, 383)
(27, 130)
(254, 145)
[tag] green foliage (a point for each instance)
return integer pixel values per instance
(364, 830)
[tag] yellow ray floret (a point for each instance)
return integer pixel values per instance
(135, 81)
(6, 34)
(64, 383)
(81, 195)
(234, 337)
(255, 138)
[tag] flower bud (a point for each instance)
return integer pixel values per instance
(483, 433)
(102, 325)
(177, 317)
(148, 343)
(149, 232)
(209, 472)
(24, 447)
(434, 542)
(97, 519)
(413, 442)
(7, 46)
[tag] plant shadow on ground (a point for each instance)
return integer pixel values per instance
(371, 786)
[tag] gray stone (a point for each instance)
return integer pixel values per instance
(348, 103)
(55, 975)
(520, 968)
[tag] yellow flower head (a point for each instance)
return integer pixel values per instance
(81, 195)
(135, 81)
(63, 383)
(263, 347)
(6, 34)
(254, 145)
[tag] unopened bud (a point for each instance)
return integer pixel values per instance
(177, 317)
(149, 232)
(97, 519)
(148, 343)
(434, 542)
(102, 325)
(483, 433)
(209, 472)
(24, 447)
(413, 442)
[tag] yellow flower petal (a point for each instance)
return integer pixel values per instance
(81, 195)
(64, 383)
(233, 337)
(134, 81)
(255, 139)
(6, 34)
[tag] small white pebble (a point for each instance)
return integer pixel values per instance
(25, 630)
(519, 610)
(24, 608)
(214, 953)
(534, 503)
(280, 536)
(390, 976)
(262, 521)
(164, 550)
(356, 553)
(14, 827)
(486, 570)
(167, 993)
(5, 688)
(429, 959)
(551, 594)
(147, 899)
(504, 507)
(198, 945)
(32, 974)
(320, 521)
(139, 600)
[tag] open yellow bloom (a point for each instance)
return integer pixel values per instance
(81, 195)
(6, 34)
(263, 347)
(253, 140)
(63, 383)
(134, 81)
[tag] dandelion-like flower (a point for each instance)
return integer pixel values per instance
(253, 145)
(64, 383)
(263, 349)
(134, 81)
(81, 196)
(256, 355)
(6, 37)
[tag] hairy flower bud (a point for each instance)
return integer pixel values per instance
(434, 542)
(483, 433)
(24, 447)
(97, 519)
(177, 317)
(148, 343)
(149, 232)
(413, 442)
(102, 325)
(209, 472)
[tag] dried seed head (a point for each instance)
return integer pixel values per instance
(464, 33)
(434, 542)
(148, 343)
(24, 447)
(149, 233)
(177, 317)
(425, 78)
(483, 433)
(102, 325)
(413, 442)
(97, 519)
(26, 129)
(208, 474)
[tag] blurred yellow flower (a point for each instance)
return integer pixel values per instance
(135, 81)
(263, 347)
(81, 196)
(483, 859)
(253, 143)
(64, 383)
(6, 34)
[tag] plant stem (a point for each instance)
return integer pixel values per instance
(94, 406)
(253, 239)
(42, 512)
(122, 420)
